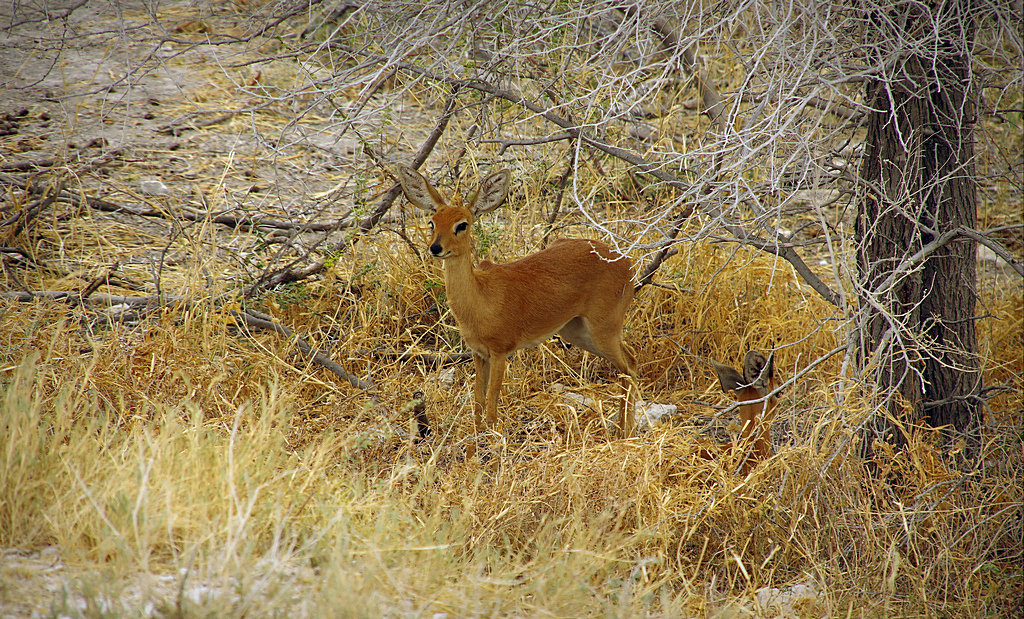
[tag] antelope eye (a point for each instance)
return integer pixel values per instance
(461, 227)
(431, 224)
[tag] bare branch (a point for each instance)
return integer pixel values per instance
(258, 320)
(713, 105)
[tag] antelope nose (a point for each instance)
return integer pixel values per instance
(435, 249)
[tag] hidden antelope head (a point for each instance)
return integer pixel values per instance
(753, 389)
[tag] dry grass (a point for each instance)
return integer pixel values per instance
(182, 447)
(182, 465)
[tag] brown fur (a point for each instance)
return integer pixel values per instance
(577, 288)
(757, 381)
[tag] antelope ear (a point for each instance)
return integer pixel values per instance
(418, 189)
(728, 378)
(493, 191)
(759, 371)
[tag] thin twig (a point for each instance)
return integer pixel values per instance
(713, 105)
(553, 215)
(28, 214)
(97, 282)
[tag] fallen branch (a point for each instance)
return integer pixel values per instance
(258, 320)
(179, 126)
(250, 318)
(97, 282)
(93, 299)
(430, 359)
(28, 165)
(22, 220)
(231, 221)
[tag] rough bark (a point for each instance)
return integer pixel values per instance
(918, 173)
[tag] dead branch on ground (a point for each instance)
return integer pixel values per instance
(248, 317)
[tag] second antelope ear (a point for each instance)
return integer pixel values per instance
(758, 370)
(728, 378)
(418, 189)
(493, 191)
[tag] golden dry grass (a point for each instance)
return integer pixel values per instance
(183, 443)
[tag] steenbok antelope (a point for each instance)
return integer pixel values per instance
(757, 381)
(579, 289)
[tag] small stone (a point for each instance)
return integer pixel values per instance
(447, 377)
(154, 188)
(649, 414)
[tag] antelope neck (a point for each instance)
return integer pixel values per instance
(460, 280)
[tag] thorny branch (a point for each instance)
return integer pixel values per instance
(294, 273)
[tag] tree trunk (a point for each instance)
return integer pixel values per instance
(919, 187)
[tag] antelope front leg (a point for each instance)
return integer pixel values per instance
(497, 375)
(483, 372)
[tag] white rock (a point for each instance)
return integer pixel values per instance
(118, 310)
(154, 188)
(793, 601)
(447, 377)
(648, 414)
(573, 399)
(50, 553)
(578, 400)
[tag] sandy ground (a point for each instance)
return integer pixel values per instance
(79, 82)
